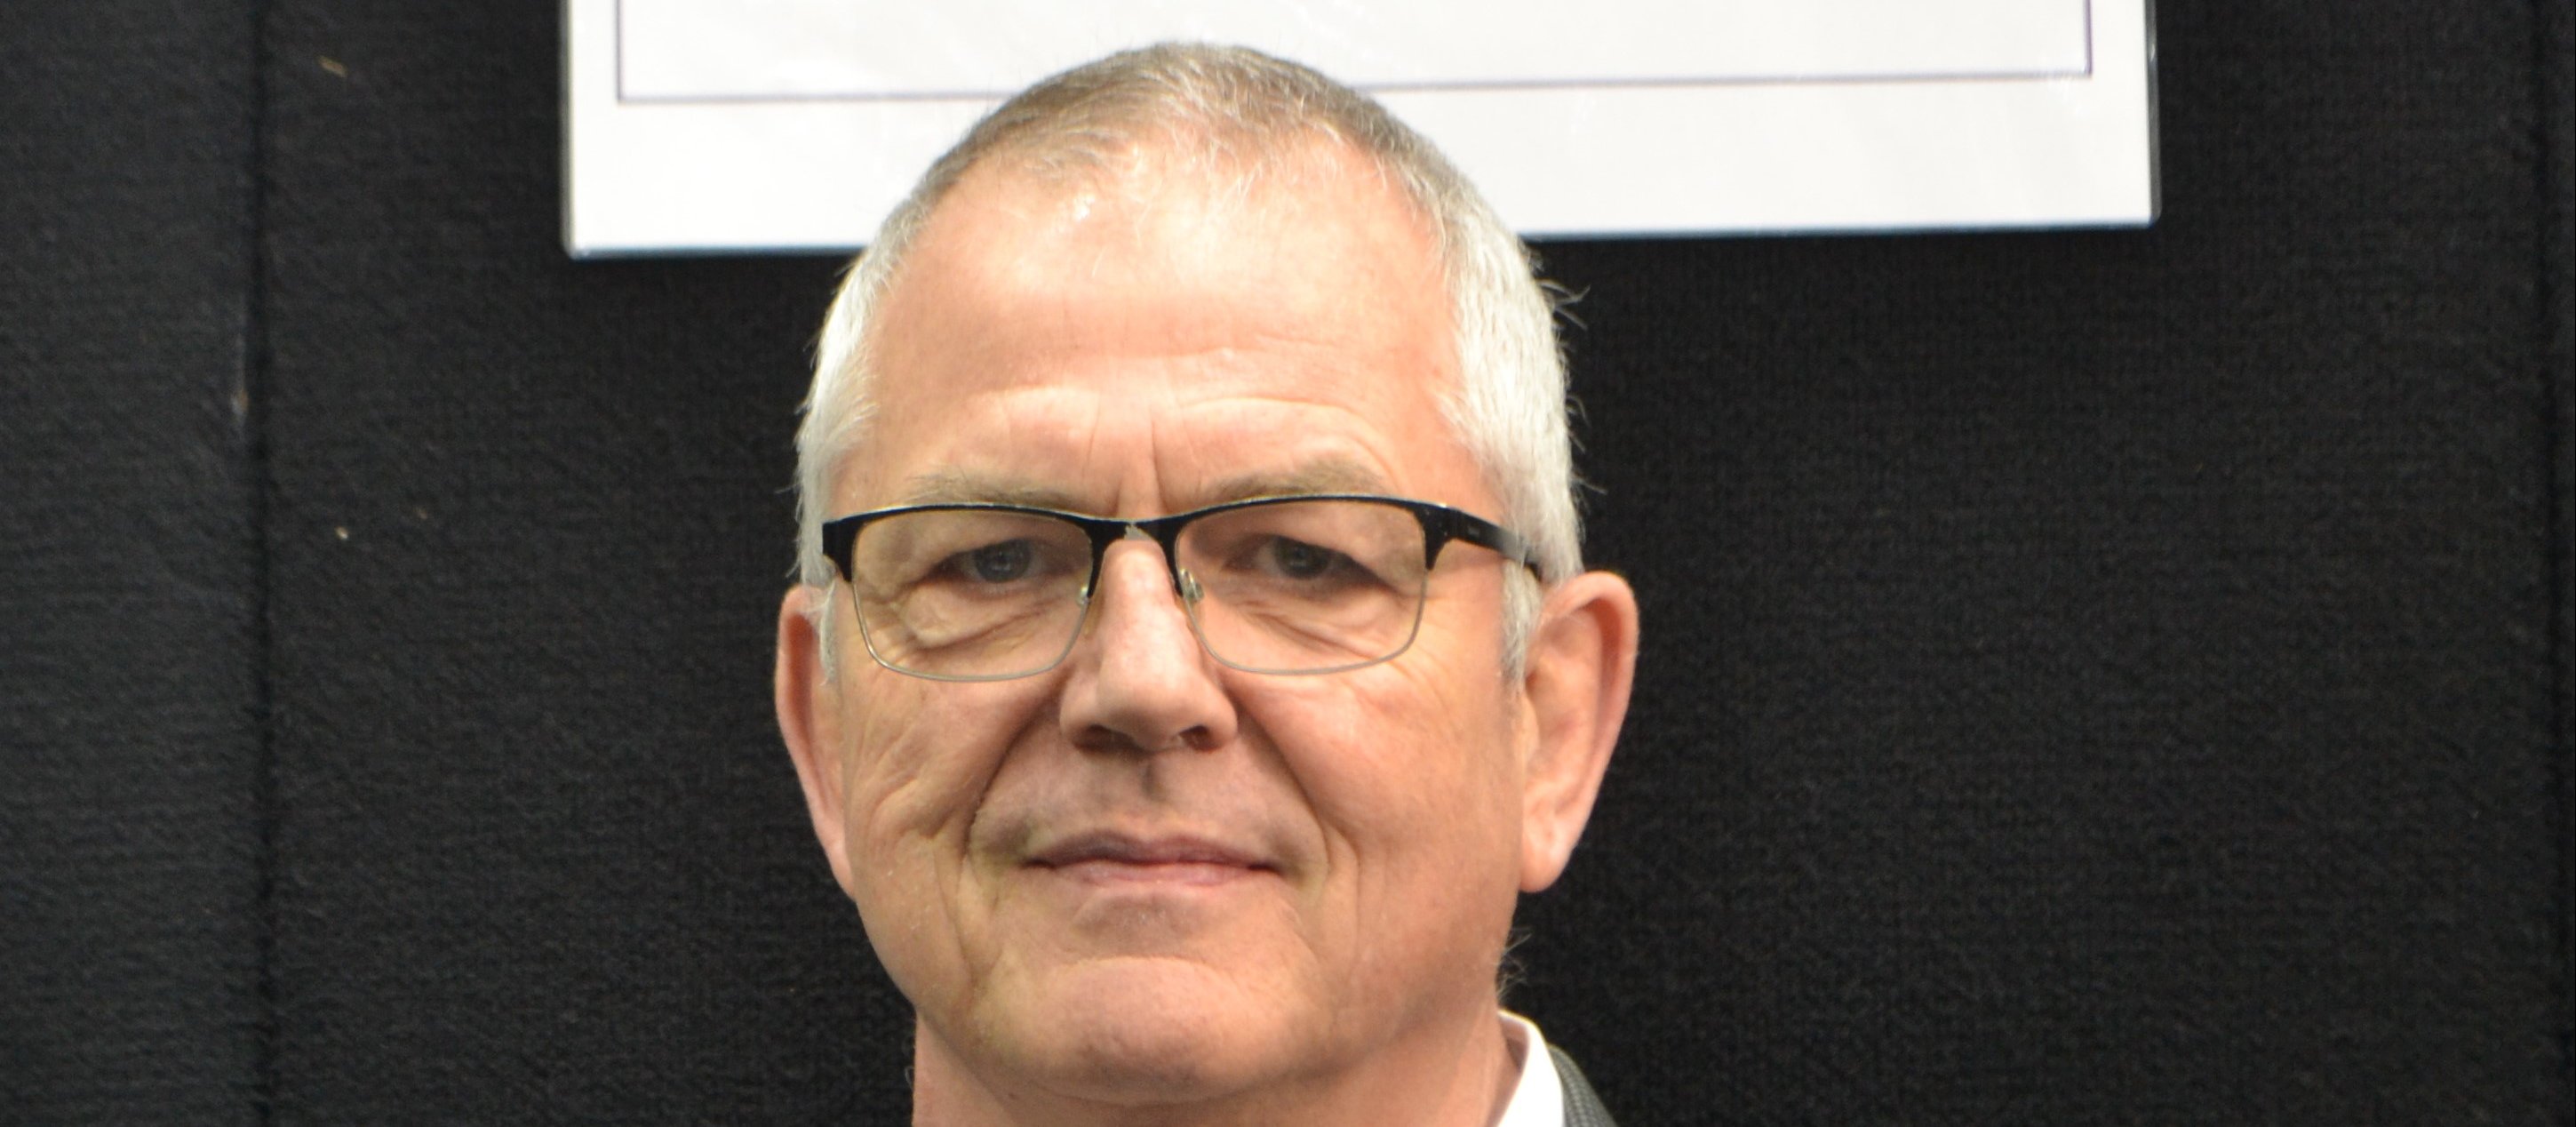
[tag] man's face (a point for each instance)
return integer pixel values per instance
(1144, 874)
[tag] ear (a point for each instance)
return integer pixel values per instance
(1582, 662)
(809, 716)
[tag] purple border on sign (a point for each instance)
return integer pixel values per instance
(618, 21)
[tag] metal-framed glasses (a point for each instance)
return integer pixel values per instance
(1316, 583)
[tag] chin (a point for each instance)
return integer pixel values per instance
(1154, 1030)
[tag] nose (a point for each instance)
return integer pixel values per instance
(1139, 679)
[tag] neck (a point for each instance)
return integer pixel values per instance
(1460, 1076)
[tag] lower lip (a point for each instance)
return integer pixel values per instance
(1161, 873)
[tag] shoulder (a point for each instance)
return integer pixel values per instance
(1582, 1105)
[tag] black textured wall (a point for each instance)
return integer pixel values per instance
(2090, 677)
(130, 691)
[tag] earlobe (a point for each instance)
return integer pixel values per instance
(1582, 663)
(809, 717)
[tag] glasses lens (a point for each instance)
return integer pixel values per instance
(969, 593)
(1305, 586)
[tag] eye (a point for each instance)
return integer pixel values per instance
(1296, 559)
(997, 563)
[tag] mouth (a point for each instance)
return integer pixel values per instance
(1115, 858)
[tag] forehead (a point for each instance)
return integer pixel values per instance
(1160, 327)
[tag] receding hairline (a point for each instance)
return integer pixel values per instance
(1286, 174)
(1323, 163)
(1224, 105)
(1288, 170)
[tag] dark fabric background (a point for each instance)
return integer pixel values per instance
(2090, 677)
(131, 800)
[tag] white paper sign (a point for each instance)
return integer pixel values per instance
(698, 126)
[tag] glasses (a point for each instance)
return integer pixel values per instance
(1288, 585)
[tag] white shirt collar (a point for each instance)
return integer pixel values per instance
(1539, 1099)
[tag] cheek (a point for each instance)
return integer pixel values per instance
(920, 758)
(1407, 766)
(1416, 804)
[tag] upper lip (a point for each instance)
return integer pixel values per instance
(1130, 849)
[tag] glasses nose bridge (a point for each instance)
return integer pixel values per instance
(1162, 532)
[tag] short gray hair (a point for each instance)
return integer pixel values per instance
(1237, 108)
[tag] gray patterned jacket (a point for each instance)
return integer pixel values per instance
(1582, 1107)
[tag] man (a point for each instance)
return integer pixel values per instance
(1192, 661)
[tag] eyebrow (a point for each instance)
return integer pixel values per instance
(1324, 475)
(960, 487)
(964, 487)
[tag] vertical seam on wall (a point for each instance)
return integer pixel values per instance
(255, 373)
(2555, 325)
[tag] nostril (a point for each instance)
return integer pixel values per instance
(1112, 740)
